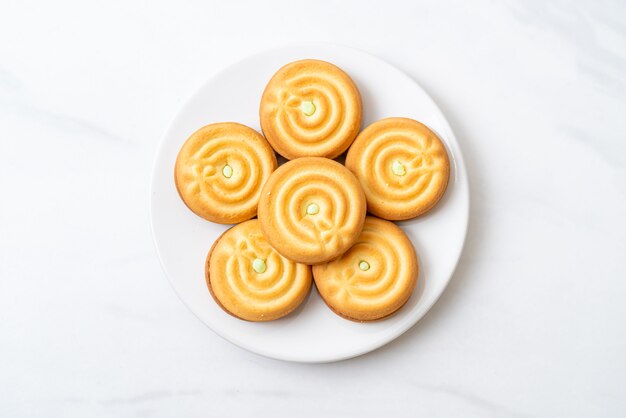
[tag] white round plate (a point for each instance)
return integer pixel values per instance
(313, 333)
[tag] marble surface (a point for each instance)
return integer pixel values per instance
(534, 321)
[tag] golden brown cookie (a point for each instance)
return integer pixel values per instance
(310, 108)
(312, 210)
(402, 165)
(250, 280)
(374, 278)
(220, 171)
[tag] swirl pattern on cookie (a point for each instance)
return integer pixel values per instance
(374, 278)
(310, 108)
(402, 165)
(221, 169)
(250, 280)
(312, 209)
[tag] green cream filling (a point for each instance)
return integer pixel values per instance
(227, 171)
(308, 108)
(312, 209)
(398, 168)
(259, 265)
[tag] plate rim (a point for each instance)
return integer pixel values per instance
(459, 163)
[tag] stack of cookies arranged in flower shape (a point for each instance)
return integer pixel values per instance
(311, 212)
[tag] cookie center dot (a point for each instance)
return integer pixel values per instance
(308, 108)
(259, 265)
(398, 168)
(364, 265)
(227, 171)
(312, 209)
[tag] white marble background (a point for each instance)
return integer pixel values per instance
(533, 323)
